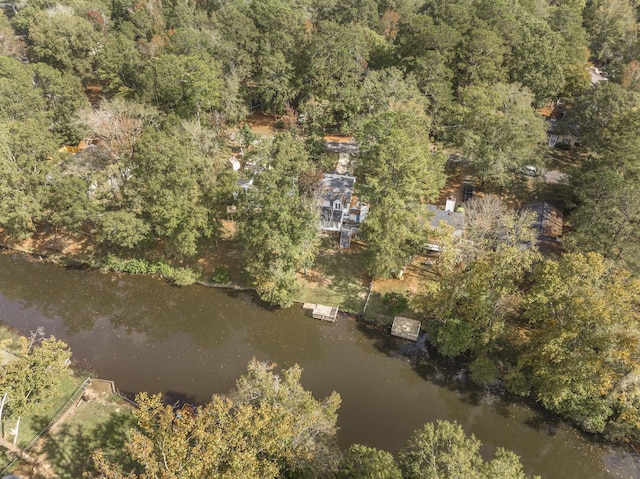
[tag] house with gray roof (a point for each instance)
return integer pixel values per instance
(450, 215)
(341, 211)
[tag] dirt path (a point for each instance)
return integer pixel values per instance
(31, 466)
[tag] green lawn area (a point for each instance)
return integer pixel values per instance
(381, 312)
(337, 277)
(93, 425)
(31, 425)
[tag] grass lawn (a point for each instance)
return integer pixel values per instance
(337, 277)
(31, 425)
(93, 425)
(408, 287)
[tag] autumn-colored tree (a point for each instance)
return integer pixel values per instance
(267, 427)
(478, 286)
(582, 358)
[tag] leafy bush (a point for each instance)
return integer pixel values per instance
(178, 276)
(221, 275)
(132, 266)
(395, 302)
(483, 371)
(182, 276)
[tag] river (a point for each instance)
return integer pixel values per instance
(193, 342)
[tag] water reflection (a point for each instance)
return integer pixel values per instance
(193, 342)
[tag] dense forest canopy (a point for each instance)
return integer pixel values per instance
(161, 91)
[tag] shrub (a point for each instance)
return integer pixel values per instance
(178, 276)
(221, 275)
(132, 266)
(483, 371)
(182, 276)
(395, 302)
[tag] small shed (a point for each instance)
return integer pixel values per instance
(325, 313)
(405, 328)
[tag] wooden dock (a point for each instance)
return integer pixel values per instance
(405, 328)
(325, 313)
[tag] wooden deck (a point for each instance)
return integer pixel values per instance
(405, 328)
(325, 313)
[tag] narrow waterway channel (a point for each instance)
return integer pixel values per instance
(193, 342)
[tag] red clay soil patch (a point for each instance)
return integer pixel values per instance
(48, 242)
(262, 124)
(94, 94)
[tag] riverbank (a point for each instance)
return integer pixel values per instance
(191, 343)
(337, 278)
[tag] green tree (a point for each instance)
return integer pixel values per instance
(168, 182)
(188, 85)
(613, 28)
(481, 56)
(537, 63)
(471, 305)
(565, 18)
(68, 204)
(118, 65)
(393, 232)
(18, 99)
(598, 112)
(382, 89)
(64, 96)
(362, 462)
(279, 228)
(10, 44)
(584, 343)
(604, 212)
(29, 380)
(427, 49)
(497, 130)
(444, 451)
(338, 56)
(64, 41)
(478, 283)
(26, 150)
(400, 173)
(607, 217)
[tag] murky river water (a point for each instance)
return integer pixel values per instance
(193, 342)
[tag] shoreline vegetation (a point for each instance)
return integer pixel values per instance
(126, 144)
